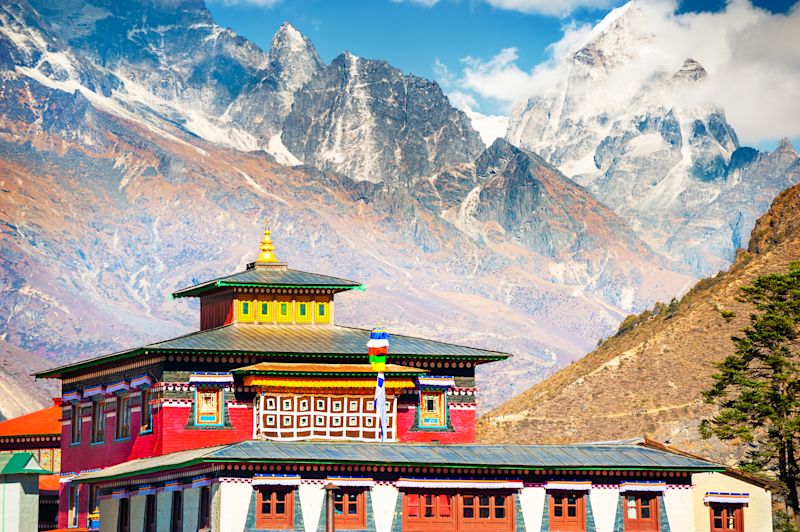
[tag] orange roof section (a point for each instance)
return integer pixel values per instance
(45, 422)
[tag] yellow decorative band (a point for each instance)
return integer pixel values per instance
(324, 383)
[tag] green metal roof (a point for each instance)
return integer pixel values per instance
(578, 457)
(20, 464)
(306, 341)
(271, 278)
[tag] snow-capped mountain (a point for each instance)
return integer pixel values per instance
(645, 144)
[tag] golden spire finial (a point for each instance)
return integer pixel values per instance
(267, 247)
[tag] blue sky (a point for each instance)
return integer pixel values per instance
(416, 35)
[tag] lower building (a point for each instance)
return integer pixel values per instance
(39, 433)
(19, 492)
(265, 485)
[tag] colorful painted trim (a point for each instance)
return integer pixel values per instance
(93, 391)
(351, 482)
(71, 397)
(437, 381)
(119, 494)
(324, 383)
(727, 497)
(147, 489)
(173, 485)
(142, 381)
(211, 378)
(198, 482)
(568, 485)
(121, 386)
(642, 485)
(66, 477)
(458, 483)
(276, 480)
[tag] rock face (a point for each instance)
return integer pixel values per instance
(648, 379)
(367, 120)
(649, 152)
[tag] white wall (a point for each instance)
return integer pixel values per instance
(757, 514)
(163, 511)
(312, 497)
(10, 496)
(384, 501)
(604, 507)
(680, 513)
(234, 504)
(137, 512)
(531, 501)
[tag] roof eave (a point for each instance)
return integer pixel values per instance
(198, 290)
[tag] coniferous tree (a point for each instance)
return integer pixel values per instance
(758, 386)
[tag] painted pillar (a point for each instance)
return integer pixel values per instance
(163, 510)
(604, 500)
(191, 509)
(531, 501)
(109, 515)
(137, 512)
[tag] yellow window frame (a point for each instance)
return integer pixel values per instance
(325, 315)
(267, 317)
(245, 311)
(302, 311)
(282, 317)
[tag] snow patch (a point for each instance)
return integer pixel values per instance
(277, 149)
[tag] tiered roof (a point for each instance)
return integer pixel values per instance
(41, 423)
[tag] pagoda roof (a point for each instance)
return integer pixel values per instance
(300, 368)
(44, 422)
(271, 277)
(325, 341)
(576, 457)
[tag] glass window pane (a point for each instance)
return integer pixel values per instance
(469, 512)
(499, 512)
(572, 511)
(280, 508)
(558, 511)
(483, 512)
(645, 511)
(484, 500)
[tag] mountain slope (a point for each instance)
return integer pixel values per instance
(643, 137)
(648, 379)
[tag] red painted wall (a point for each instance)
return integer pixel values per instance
(169, 435)
(463, 421)
(215, 310)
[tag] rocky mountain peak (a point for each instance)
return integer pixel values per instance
(293, 59)
(690, 71)
(785, 146)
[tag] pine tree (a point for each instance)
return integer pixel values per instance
(758, 386)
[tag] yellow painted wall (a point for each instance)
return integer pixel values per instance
(303, 310)
(757, 514)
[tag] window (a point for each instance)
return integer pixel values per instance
(74, 501)
(432, 409)
(275, 509)
(124, 516)
(150, 514)
(264, 311)
(176, 512)
(446, 512)
(421, 510)
(204, 516)
(208, 406)
(727, 518)
(123, 421)
(98, 421)
(322, 312)
(303, 310)
(349, 510)
(76, 424)
(244, 311)
(146, 424)
(641, 512)
(567, 511)
(94, 499)
(284, 312)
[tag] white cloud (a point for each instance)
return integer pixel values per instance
(255, 3)
(490, 127)
(753, 64)
(548, 7)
